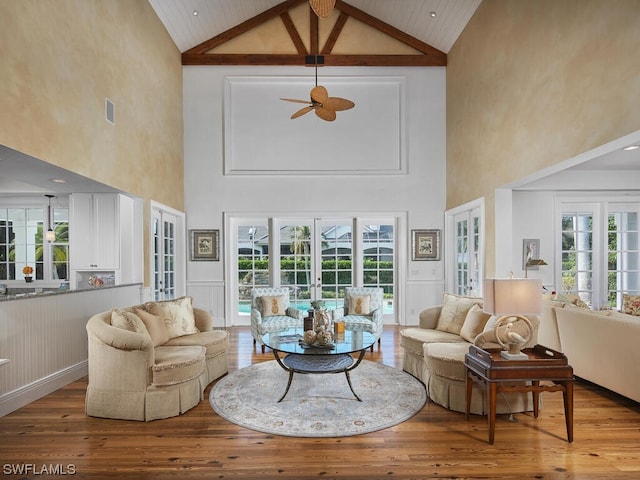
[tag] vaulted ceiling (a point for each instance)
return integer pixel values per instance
(276, 32)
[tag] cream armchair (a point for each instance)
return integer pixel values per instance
(362, 310)
(271, 312)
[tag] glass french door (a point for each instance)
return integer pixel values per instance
(467, 257)
(163, 232)
(315, 260)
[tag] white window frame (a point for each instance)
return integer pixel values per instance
(599, 209)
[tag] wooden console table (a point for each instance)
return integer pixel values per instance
(489, 369)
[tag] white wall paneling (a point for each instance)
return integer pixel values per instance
(421, 295)
(45, 340)
(209, 296)
(368, 139)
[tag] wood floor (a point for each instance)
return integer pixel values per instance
(54, 435)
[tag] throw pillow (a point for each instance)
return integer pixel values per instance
(177, 314)
(572, 299)
(155, 326)
(631, 304)
(127, 321)
(272, 305)
(474, 323)
(454, 311)
(359, 305)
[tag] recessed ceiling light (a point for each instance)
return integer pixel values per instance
(631, 147)
(58, 180)
(433, 14)
(196, 13)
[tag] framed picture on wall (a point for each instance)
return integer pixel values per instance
(530, 251)
(426, 245)
(205, 245)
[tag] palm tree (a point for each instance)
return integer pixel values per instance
(301, 245)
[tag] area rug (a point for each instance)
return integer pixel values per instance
(318, 405)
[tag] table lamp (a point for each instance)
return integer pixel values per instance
(512, 299)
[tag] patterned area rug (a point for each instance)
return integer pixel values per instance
(318, 405)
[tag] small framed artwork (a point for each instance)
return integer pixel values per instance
(530, 251)
(426, 245)
(205, 245)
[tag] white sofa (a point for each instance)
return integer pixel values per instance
(152, 361)
(434, 353)
(601, 346)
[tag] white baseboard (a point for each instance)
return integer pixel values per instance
(22, 396)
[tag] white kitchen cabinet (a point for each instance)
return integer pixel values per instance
(94, 231)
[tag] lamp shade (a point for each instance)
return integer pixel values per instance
(512, 296)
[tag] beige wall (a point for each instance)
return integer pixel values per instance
(61, 58)
(533, 83)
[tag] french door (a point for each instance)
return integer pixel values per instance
(466, 235)
(163, 233)
(316, 258)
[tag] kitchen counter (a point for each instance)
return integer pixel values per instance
(30, 292)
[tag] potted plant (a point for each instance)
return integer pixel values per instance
(27, 271)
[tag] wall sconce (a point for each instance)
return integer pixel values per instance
(50, 235)
(534, 262)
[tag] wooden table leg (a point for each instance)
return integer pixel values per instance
(567, 395)
(536, 398)
(492, 394)
(469, 383)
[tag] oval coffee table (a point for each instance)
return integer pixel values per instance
(302, 358)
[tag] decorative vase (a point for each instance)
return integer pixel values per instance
(322, 320)
(28, 279)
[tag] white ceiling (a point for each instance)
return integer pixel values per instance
(410, 16)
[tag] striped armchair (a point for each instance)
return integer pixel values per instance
(355, 313)
(274, 315)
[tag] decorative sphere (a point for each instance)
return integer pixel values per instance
(310, 337)
(324, 338)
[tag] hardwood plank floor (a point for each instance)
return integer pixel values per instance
(54, 433)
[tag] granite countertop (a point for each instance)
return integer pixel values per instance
(48, 293)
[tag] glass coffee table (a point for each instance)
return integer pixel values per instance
(303, 358)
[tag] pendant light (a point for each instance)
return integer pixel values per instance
(50, 236)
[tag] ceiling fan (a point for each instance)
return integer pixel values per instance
(322, 8)
(324, 105)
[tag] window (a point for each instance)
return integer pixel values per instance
(600, 251)
(21, 243)
(623, 252)
(577, 254)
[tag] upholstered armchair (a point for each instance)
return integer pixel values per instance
(362, 310)
(270, 312)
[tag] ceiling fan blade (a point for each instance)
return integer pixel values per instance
(301, 112)
(322, 8)
(338, 104)
(295, 100)
(326, 114)
(319, 94)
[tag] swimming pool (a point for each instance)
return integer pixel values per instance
(245, 306)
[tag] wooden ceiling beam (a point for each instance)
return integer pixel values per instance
(429, 57)
(390, 30)
(293, 33)
(335, 33)
(244, 27)
(299, 60)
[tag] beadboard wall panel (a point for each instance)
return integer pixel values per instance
(45, 340)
